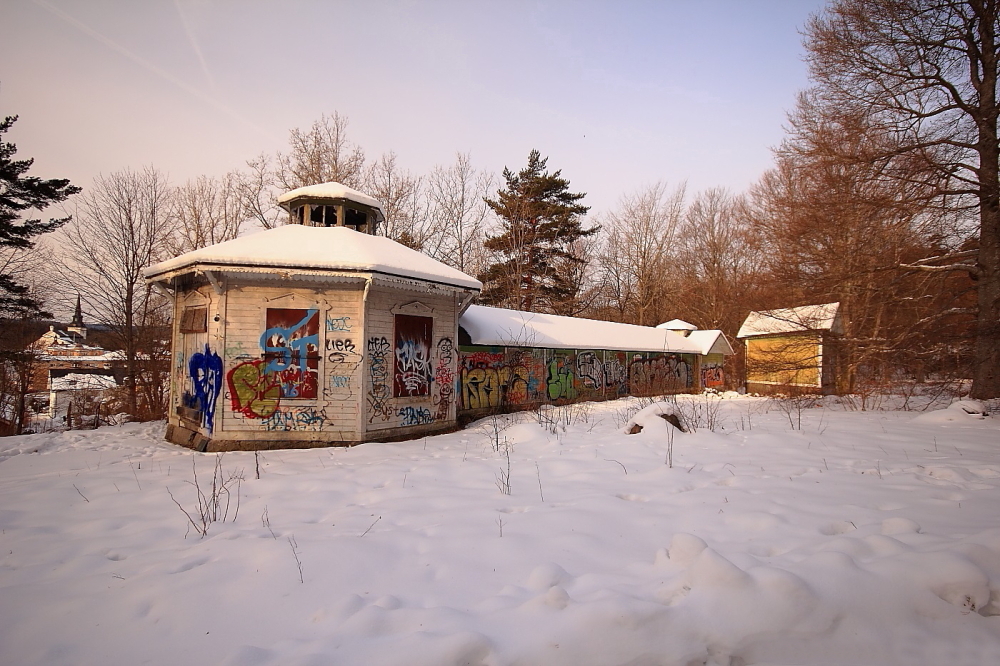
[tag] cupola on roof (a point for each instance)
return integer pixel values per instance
(333, 205)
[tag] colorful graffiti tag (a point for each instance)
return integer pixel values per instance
(712, 376)
(291, 349)
(493, 377)
(412, 371)
(444, 377)
(481, 379)
(378, 371)
(253, 392)
(205, 372)
(559, 382)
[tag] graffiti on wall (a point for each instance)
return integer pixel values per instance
(378, 371)
(559, 381)
(415, 416)
(492, 377)
(412, 371)
(444, 377)
(338, 324)
(296, 418)
(291, 350)
(652, 374)
(205, 373)
(342, 361)
(480, 379)
(712, 375)
(252, 391)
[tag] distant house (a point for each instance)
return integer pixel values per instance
(69, 367)
(792, 349)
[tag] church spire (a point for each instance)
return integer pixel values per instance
(77, 326)
(77, 315)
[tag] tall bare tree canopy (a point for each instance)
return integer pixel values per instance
(924, 72)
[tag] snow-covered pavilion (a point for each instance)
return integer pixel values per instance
(311, 336)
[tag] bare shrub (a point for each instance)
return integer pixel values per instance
(212, 503)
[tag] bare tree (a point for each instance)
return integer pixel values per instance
(258, 191)
(120, 227)
(926, 72)
(719, 262)
(639, 240)
(457, 195)
(835, 228)
(403, 203)
(207, 211)
(321, 154)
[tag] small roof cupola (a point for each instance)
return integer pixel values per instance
(679, 326)
(332, 205)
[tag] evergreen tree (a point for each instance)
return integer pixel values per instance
(19, 193)
(540, 219)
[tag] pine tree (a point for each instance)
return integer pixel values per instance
(19, 193)
(540, 219)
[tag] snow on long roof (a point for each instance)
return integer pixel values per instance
(324, 248)
(331, 190)
(791, 320)
(500, 327)
(81, 381)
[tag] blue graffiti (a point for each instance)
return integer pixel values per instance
(415, 416)
(205, 370)
(286, 345)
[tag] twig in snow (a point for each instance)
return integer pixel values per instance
(538, 473)
(133, 472)
(371, 526)
(81, 494)
(500, 523)
(266, 522)
(615, 461)
(295, 554)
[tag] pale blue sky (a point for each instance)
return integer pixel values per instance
(617, 94)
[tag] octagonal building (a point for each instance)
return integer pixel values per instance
(316, 333)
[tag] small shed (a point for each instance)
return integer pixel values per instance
(312, 334)
(792, 349)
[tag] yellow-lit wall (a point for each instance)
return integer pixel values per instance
(794, 360)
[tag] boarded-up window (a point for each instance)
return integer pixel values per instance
(291, 350)
(194, 320)
(412, 363)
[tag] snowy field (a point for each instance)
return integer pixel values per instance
(859, 538)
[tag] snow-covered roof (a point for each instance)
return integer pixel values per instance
(322, 248)
(792, 320)
(78, 381)
(677, 325)
(501, 327)
(331, 190)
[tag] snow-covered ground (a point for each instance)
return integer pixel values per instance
(861, 538)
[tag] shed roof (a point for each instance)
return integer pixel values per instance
(501, 327)
(324, 248)
(792, 320)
